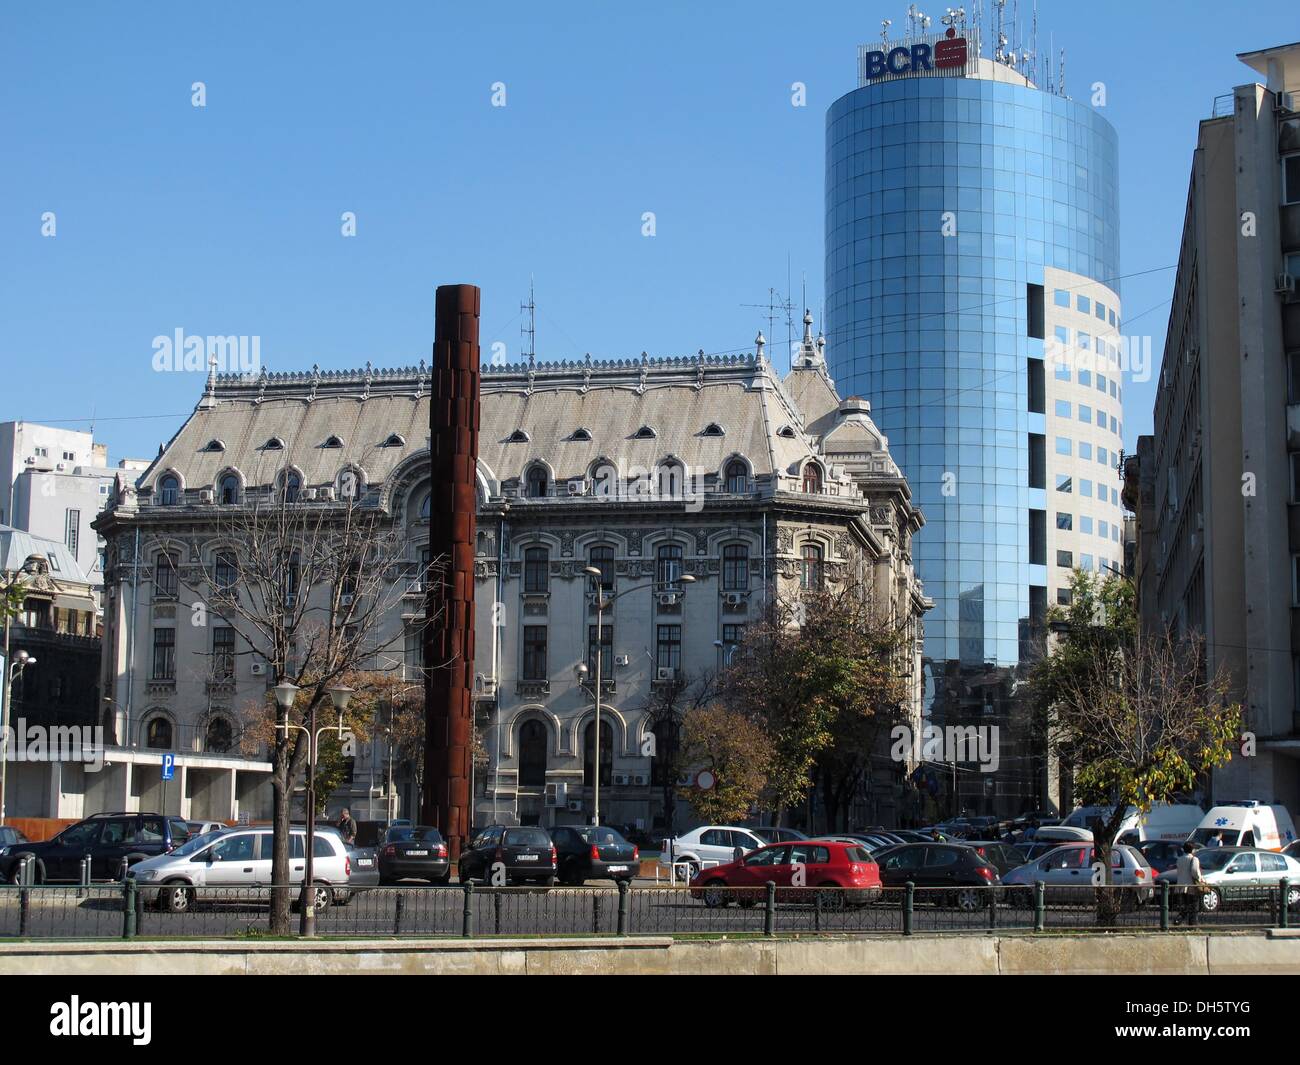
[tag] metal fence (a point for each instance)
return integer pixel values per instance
(125, 910)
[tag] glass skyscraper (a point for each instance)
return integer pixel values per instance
(972, 258)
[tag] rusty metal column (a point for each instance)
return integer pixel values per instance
(449, 632)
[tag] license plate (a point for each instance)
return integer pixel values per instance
(417, 854)
(528, 857)
(617, 868)
(364, 861)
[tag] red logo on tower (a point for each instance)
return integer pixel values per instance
(950, 52)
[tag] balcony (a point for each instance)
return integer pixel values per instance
(532, 689)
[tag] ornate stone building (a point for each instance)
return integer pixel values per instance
(650, 470)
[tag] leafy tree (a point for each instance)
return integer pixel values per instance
(738, 754)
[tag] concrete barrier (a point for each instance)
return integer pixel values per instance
(1258, 952)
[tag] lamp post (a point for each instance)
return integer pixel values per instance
(21, 661)
(603, 601)
(729, 650)
(340, 695)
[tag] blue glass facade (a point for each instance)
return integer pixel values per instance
(934, 328)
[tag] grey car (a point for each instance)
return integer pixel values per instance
(236, 865)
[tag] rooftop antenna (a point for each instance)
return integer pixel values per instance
(1000, 52)
(1034, 44)
(529, 329)
(1047, 63)
(772, 305)
(884, 29)
(1060, 75)
(977, 17)
(1015, 33)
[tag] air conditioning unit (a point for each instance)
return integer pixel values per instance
(735, 599)
(668, 598)
(1285, 284)
(307, 493)
(665, 673)
(639, 779)
(206, 495)
(574, 806)
(621, 779)
(577, 488)
(258, 669)
(345, 600)
(557, 794)
(622, 660)
(415, 587)
(325, 493)
(58, 466)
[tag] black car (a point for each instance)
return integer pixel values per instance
(594, 852)
(414, 853)
(1002, 856)
(1161, 854)
(109, 840)
(940, 865)
(501, 855)
(9, 836)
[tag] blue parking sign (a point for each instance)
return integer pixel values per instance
(169, 767)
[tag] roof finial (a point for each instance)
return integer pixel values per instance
(759, 341)
(807, 326)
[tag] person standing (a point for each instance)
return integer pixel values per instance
(1190, 883)
(347, 827)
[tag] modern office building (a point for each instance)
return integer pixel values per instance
(1219, 536)
(972, 265)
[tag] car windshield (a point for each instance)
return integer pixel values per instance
(601, 836)
(527, 837)
(1203, 836)
(196, 843)
(1213, 859)
(421, 833)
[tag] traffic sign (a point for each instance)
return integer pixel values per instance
(169, 767)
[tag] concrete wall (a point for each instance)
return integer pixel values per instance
(1264, 953)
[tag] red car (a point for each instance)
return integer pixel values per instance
(844, 872)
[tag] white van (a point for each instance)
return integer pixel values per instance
(1165, 820)
(1245, 823)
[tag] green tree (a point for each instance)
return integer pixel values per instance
(736, 751)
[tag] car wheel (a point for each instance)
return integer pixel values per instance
(968, 900)
(1211, 901)
(323, 897)
(1293, 898)
(38, 872)
(830, 897)
(178, 897)
(715, 895)
(692, 870)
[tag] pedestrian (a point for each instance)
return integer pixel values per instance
(347, 827)
(1190, 883)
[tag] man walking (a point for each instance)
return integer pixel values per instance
(1190, 883)
(347, 827)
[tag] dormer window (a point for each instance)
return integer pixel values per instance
(786, 431)
(169, 490)
(274, 444)
(646, 432)
(713, 429)
(812, 479)
(333, 441)
(213, 445)
(394, 440)
(228, 490)
(535, 484)
(581, 434)
(517, 437)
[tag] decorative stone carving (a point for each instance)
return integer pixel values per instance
(567, 537)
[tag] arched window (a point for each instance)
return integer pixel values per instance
(810, 574)
(812, 479)
(667, 734)
(292, 486)
(158, 734)
(228, 492)
(274, 444)
(537, 571)
(533, 743)
(425, 504)
(169, 490)
(671, 480)
(737, 477)
(589, 754)
(668, 565)
(166, 575)
(735, 568)
(602, 558)
(220, 736)
(536, 483)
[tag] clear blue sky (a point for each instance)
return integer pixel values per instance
(226, 219)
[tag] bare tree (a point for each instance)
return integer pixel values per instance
(314, 588)
(668, 706)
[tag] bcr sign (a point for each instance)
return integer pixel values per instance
(947, 53)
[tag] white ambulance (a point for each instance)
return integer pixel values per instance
(1245, 823)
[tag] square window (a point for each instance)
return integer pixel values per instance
(1102, 456)
(1085, 488)
(1103, 528)
(1085, 562)
(1062, 408)
(1083, 304)
(1062, 372)
(1100, 310)
(1085, 412)
(1085, 525)
(1063, 596)
(1101, 418)
(1064, 522)
(1085, 377)
(1085, 450)
(1061, 297)
(1112, 317)
(1063, 445)
(1114, 391)
(1085, 342)
(1062, 334)
(1064, 482)
(1101, 382)
(1065, 559)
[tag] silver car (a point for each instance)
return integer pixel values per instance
(1242, 874)
(1067, 869)
(236, 864)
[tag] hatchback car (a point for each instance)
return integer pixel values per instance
(710, 845)
(502, 855)
(414, 853)
(236, 865)
(1242, 874)
(1067, 874)
(940, 865)
(109, 840)
(594, 852)
(841, 874)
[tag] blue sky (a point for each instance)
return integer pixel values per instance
(226, 219)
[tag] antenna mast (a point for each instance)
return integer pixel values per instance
(530, 328)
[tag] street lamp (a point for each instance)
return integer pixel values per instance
(21, 661)
(603, 601)
(340, 695)
(729, 648)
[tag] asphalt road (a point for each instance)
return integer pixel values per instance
(533, 911)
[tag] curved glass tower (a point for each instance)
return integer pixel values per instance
(972, 257)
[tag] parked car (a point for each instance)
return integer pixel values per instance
(1067, 869)
(594, 852)
(10, 836)
(1161, 854)
(842, 873)
(1002, 856)
(525, 854)
(710, 845)
(775, 834)
(940, 865)
(236, 864)
(413, 852)
(1241, 874)
(908, 835)
(109, 840)
(200, 828)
